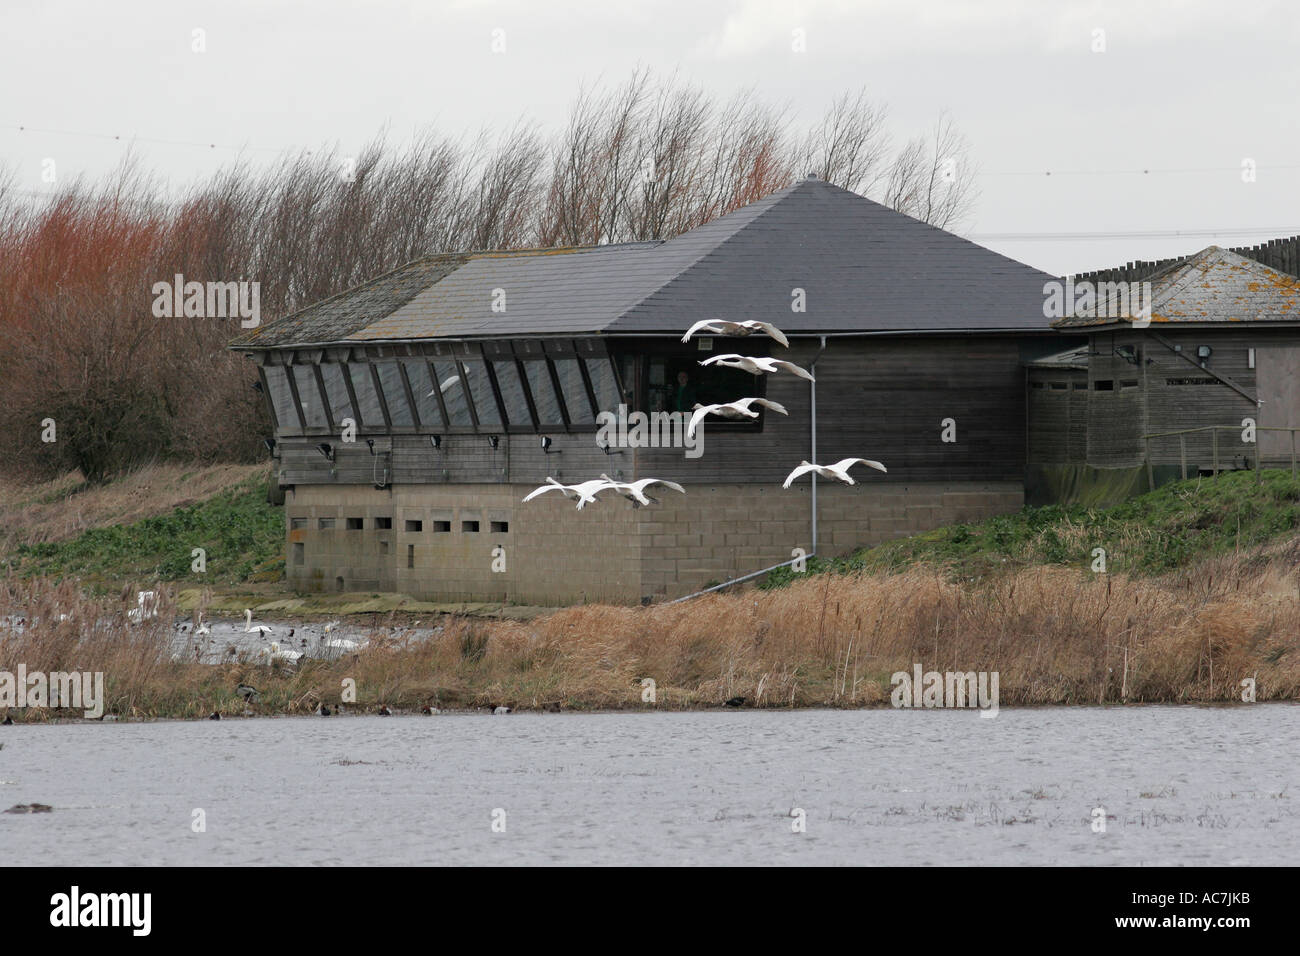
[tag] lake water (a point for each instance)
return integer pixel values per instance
(1184, 785)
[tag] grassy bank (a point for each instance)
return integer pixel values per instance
(1054, 635)
(145, 526)
(1151, 534)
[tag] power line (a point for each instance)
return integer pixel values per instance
(1272, 231)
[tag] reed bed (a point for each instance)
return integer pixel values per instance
(1054, 635)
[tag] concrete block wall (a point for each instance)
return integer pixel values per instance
(722, 531)
(553, 554)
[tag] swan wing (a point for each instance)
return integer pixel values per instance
(845, 464)
(707, 325)
(770, 329)
(803, 469)
(791, 367)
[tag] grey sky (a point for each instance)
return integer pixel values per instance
(1187, 90)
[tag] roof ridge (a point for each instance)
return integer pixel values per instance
(776, 198)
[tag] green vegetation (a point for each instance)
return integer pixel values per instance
(239, 531)
(1150, 534)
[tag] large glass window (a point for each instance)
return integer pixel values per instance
(512, 392)
(399, 409)
(277, 381)
(543, 392)
(336, 390)
(601, 373)
(313, 405)
(426, 403)
(575, 391)
(677, 383)
(367, 398)
(480, 389)
(454, 394)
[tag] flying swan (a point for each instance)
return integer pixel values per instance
(839, 471)
(635, 490)
(740, 408)
(748, 327)
(755, 365)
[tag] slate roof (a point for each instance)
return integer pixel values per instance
(863, 268)
(1214, 286)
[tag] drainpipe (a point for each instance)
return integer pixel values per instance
(812, 392)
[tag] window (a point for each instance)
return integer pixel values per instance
(677, 382)
(426, 403)
(356, 524)
(1059, 386)
(454, 395)
(512, 392)
(414, 525)
(575, 391)
(469, 527)
(336, 390)
(313, 405)
(544, 396)
(500, 527)
(480, 390)
(277, 381)
(1036, 384)
(1080, 386)
(442, 527)
(410, 555)
(299, 554)
(399, 409)
(1104, 385)
(601, 372)
(383, 547)
(297, 524)
(325, 524)
(383, 524)
(367, 397)
(1128, 383)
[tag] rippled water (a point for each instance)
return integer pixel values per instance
(1184, 785)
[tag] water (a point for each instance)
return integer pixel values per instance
(1185, 785)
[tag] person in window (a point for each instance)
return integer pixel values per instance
(684, 398)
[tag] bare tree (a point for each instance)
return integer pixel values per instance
(933, 179)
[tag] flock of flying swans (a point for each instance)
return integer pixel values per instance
(584, 493)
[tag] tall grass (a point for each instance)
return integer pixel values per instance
(1054, 635)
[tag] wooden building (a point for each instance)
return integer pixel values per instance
(471, 378)
(1165, 396)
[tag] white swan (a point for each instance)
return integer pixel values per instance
(202, 630)
(146, 609)
(635, 490)
(584, 493)
(740, 408)
(274, 653)
(251, 628)
(839, 471)
(757, 364)
(723, 327)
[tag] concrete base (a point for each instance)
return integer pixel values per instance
(473, 542)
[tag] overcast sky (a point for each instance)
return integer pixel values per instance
(1186, 90)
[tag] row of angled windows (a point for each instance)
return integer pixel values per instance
(437, 394)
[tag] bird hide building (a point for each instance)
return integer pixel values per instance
(1206, 379)
(414, 413)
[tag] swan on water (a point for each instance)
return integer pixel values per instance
(634, 491)
(147, 608)
(839, 471)
(251, 628)
(758, 363)
(740, 408)
(275, 653)
(748, 327)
